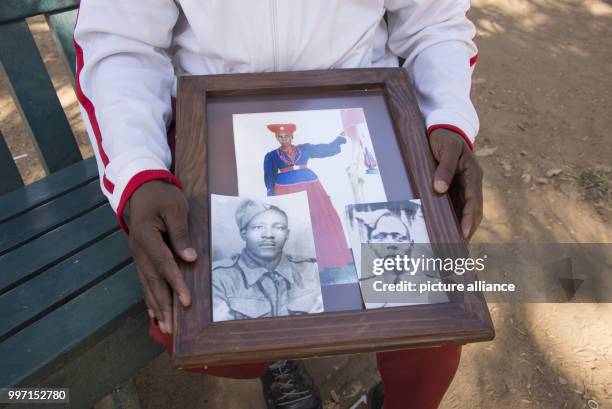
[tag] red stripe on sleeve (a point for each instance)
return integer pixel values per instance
(134, 183)
(91, 111)
(108, 185)
(473, 60)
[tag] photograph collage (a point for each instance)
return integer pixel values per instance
(310, 197)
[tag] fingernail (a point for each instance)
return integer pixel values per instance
(440, 186)
(190, 253)
(183, 300)
(151, 314)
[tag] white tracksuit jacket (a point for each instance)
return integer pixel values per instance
(129, 53)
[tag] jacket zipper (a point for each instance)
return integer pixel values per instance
(273, 9)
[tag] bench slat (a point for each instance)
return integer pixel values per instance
(60, 283)
(47, 227)
(62, 26)
(36, 98)
(48, 188)
(26, 261)
(11, 179)
(20, 9)
(28, 226)
(84, 320)
(111, 361)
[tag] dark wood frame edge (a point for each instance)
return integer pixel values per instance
(442, 226)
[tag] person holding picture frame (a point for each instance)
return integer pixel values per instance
(128, 57)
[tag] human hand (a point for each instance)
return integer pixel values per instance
(158, 209)
(459, 174)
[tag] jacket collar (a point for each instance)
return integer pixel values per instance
(253, 271)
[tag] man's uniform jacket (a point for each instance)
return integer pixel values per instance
(243, 289)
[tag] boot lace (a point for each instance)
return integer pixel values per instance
(284, 385)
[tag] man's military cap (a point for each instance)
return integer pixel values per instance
(248, 209)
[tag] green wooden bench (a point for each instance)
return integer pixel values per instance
(72, 313)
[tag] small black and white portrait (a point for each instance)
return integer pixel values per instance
(263, 256)
(385, 231)
(389, 229)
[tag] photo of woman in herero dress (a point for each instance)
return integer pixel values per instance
(286, 171)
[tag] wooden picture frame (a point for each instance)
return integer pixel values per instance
(198, 340)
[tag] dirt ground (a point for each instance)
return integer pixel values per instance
(543, 88)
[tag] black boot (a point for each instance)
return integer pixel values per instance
(376, 396)
(287, 385)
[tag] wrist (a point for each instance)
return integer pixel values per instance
(137, 181)
(446, 131)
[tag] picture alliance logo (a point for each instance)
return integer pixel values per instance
(412, 265)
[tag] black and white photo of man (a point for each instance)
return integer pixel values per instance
(263, 280)
(383, 231)
(388, 228)
(389, 235)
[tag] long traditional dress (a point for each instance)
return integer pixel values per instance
(284, 175)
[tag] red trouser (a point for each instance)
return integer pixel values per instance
(412, 378)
